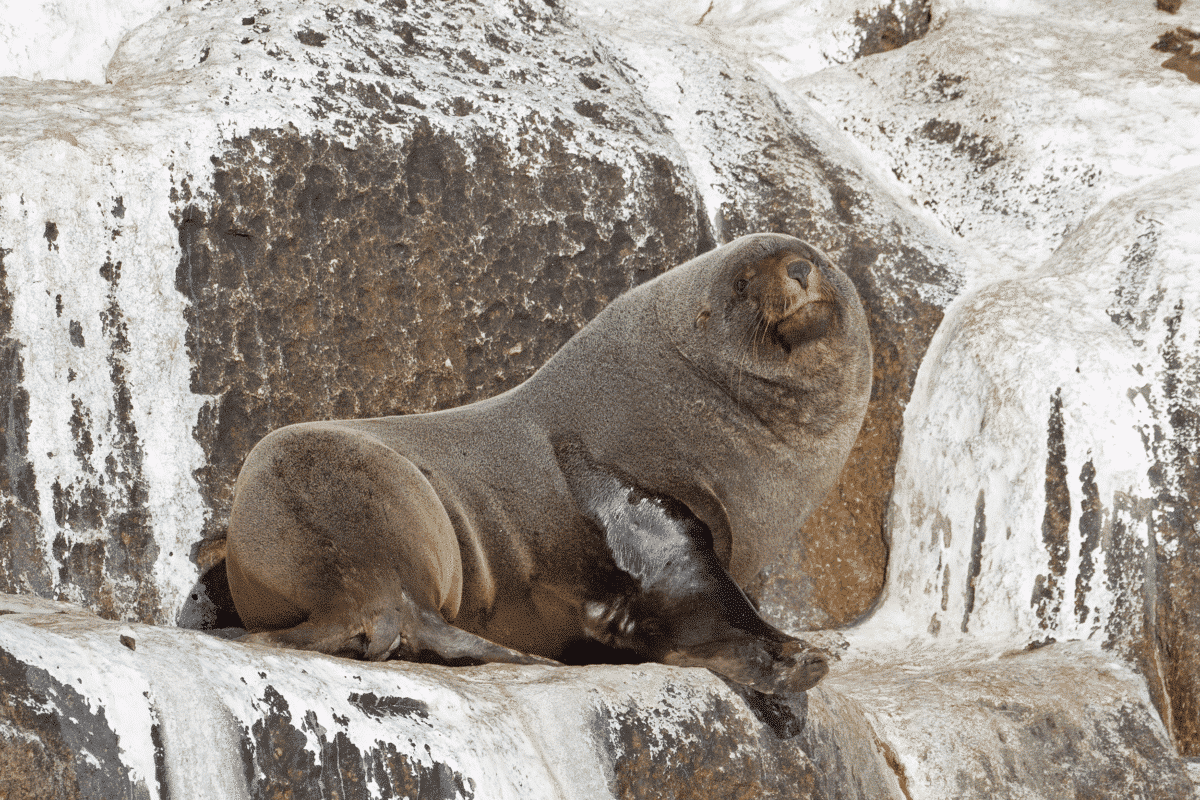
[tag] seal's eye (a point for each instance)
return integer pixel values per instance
(740, 285)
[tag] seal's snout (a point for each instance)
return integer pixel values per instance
(798, 270)
(803, 666)
(780, 285)
(795, 302)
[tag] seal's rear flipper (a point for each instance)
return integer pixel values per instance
(769, 667)
(456, 647)
(405, 632)
(332, 637)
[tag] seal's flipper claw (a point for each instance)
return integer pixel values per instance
(766, 667)
(799, 667)
(385, 634)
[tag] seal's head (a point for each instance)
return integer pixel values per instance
(782, 298)
(772, 321)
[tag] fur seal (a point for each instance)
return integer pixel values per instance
(672, 441)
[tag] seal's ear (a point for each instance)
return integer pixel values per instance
(702, 316)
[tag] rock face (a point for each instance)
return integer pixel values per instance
(90, 708)
(787, 38)
(312, 210)
(96, 709)
(44, 40)
(296, 210)
(1075, 454)
(920, 721)
(1013, 126)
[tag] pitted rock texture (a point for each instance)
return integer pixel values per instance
(303, 209)
(88, 468)
(716, 742)
(48, 731)
(468, 213)
(20, 553)
(1052, 422)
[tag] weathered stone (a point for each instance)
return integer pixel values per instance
(190, 715)
(787, 38)
(318, 209)
(1012, 125)
(1054, 424)
(446, 290)
(20, 554)
(1061, 721)
(184, 714)
(44, 40)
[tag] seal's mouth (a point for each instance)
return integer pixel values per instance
(808, 321)
(797, 303)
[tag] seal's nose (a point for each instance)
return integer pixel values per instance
(798, 269)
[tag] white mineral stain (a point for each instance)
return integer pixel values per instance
(1012, 124)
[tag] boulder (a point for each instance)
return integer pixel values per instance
(310, 210)
(1055, 425)
(1061, 147)
(904, 718)
(91, 709)
(1014, 122)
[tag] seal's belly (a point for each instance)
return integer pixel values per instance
(542, 622)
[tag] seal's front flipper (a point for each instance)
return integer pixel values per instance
(681, 607)
(404, 631)
(791, 666)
